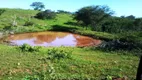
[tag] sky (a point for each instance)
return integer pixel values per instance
(120, 7)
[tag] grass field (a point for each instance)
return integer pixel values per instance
(86, 63)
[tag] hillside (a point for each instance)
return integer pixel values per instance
(21, 16)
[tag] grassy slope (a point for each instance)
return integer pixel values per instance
(86, 63)
(8, 16)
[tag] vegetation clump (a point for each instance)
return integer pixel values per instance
(28, 48)
(58, 54)
(47, 14)
(29, 23)
(2, 11)
(92, 15)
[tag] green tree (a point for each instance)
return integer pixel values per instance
(92, 15)
(38, 6)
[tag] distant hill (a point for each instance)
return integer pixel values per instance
(21, 16)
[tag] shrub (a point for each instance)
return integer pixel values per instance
(117, 45)
(2, 11)
(28, 48)
(58, 54)
(47, 14)
(117, 25)
(62, 11)
(29, 23)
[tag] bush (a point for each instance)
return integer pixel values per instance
(117, 25)
(47, 14)
(2, 11)
(117, 45)
(29, 23)
(58, 54)
(62, 11)
(28, 48)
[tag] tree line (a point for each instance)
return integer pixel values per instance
(99, 18)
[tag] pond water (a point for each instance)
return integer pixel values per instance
(52, 39)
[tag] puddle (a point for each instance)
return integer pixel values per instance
(52, 39)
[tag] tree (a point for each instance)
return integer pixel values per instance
(92, 15)
(38, 6)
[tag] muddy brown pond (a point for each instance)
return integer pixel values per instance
(52, 39)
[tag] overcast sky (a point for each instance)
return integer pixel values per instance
(121, 7)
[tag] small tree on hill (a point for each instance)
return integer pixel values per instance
(38, 6)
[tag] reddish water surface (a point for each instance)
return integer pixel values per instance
(52, 39)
